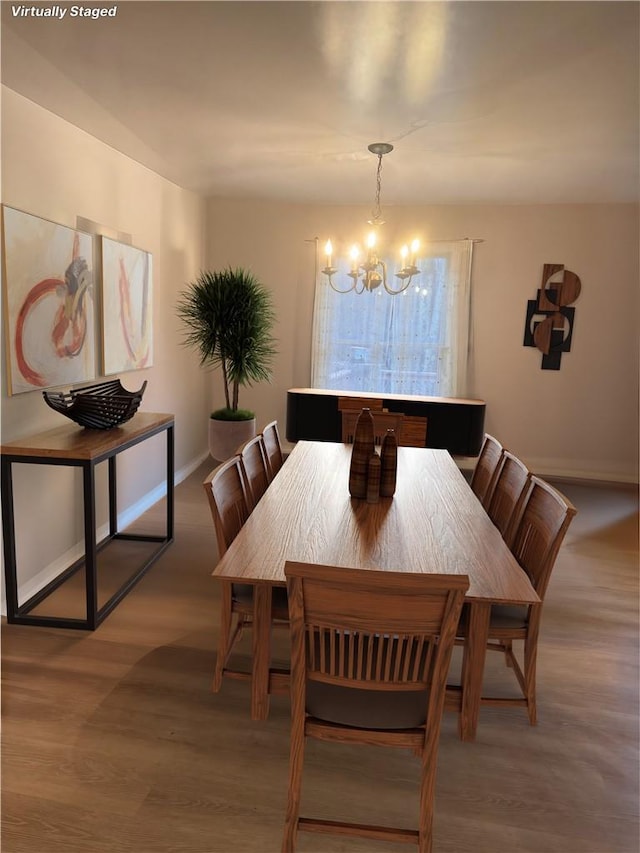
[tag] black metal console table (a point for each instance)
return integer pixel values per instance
(82, 448)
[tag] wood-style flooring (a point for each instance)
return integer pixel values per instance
(113, 742)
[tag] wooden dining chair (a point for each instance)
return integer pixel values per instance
(508, 495)
(229, 501)
(486, 470)
(382, 421)
(545, 519)
(253, 459)
(370, 653)
(273, 446)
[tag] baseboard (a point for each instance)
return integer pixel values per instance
(582, 475)
(560, 473)
(125, 518)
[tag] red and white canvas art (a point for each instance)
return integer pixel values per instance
(49, 312)
(126, 307)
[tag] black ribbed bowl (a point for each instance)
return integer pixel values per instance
(101, 406)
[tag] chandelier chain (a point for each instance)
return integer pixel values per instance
(377, 210)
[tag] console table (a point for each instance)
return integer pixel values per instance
(455, 424)
(75, 446)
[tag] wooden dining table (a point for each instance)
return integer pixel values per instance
(433, 524)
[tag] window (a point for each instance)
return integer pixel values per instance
(412, 343)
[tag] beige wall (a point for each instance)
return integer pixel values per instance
(53, 170)
(579, 421)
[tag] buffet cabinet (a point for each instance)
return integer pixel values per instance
(453, 423)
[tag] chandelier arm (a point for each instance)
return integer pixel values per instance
(384, 273)
(338, 290)
(402, 289)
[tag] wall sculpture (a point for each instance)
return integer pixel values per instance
(549, 323)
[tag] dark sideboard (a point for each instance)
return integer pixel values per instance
(453, 423)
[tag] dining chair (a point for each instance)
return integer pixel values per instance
(273, 446)
(382, 421)
(508, 495)
(486, 470)
(228, 497)
(253, 459)
(545, 519)
(370, 652)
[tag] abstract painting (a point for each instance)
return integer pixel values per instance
(549, 322)
(126, 307)
(48, 303)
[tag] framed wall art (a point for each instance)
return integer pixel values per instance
(127, 341)
(48, 303)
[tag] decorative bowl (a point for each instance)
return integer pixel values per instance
(101, 406)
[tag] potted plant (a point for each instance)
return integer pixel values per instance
(228, 317)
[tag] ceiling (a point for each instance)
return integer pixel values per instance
(505, 102)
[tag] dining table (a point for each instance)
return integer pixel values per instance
(433, 524)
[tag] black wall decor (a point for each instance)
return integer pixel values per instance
(549, 323)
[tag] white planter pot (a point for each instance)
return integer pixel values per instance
(226, 436)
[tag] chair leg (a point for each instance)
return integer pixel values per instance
(296, 761)
(427, 793)
(530, 657)
(508, 651)
(225, 634)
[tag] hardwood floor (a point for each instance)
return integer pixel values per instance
(112, 740)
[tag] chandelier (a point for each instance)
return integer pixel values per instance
(371, 272)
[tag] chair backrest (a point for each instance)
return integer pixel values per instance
(273, 446)
(253, 458)
(382, 421)
(226, 490)
(374, 630)
(508, 495)
(486, 470)
(544, 521)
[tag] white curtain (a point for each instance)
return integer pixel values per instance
(414, 343)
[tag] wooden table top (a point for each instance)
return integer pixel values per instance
(434, 523)
(71, 441)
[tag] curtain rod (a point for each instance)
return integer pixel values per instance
(453, 240)
(459, 240)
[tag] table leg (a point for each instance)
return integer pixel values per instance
(113, 497)
(9, 540)
(473, 668)
(170, 482)
(90, 547)
(261, 651)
